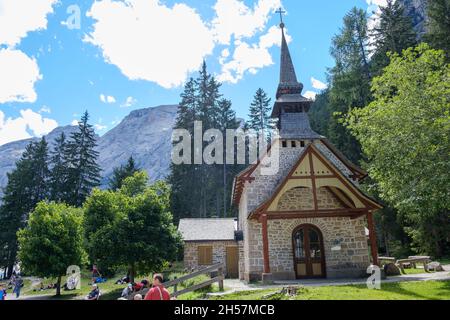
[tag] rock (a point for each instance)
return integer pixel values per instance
(391, 269)
(435, 266)
(144, 134)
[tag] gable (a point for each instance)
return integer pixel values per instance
(314, 184)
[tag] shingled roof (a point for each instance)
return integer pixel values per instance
(207, 229)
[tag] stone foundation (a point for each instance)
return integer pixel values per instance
(345, 244)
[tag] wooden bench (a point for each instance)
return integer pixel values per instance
(413, 260)
(385, 260)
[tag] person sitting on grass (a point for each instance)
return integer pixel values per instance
(127, 291)
(157, 292)
(94, 294)
(2, 293)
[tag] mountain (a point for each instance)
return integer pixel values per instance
(417, 10)
(144, 134)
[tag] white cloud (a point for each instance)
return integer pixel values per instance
(18, 76)
(29, 124)
(107, 99)
(317, 84)
(18, 17)
(128, 102)
(234, 18)
(18, 71)
(251, 57)
(310, 95)
(74, 122)
(150, 41)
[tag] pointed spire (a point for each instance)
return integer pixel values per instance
(288, 79)
(287, 71)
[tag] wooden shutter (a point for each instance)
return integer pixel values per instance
(205, 255)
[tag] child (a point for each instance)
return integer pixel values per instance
(2, 293)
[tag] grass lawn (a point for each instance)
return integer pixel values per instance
(106, 288)
(419, 290)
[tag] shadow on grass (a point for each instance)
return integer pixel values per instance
(399, 287)
(111, 295)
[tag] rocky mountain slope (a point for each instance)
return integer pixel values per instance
(144, 134)
(417, 10)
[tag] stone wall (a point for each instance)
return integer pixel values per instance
(348, 258)
(345, 244)
(296, 199)
(191, 252)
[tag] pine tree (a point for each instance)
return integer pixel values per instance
(394, 33)
(202, 190)
(438, 25)
(27, 185)
(121, 173)
(228, 121)
(183, 177)
(83, 170)
(208, 96)
(58, 172)
(350, 80)
(259, 116)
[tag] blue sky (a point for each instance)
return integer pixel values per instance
(133, 54)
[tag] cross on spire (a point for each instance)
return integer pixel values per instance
(281, 12)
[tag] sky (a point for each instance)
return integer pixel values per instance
(59, 58)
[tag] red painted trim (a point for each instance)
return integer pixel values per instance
(265, 237)
(313, 181)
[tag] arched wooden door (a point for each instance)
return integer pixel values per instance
(309, 254)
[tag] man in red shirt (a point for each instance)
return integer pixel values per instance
(157, 292)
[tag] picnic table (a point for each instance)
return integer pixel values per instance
(412, 261)
(386, 260)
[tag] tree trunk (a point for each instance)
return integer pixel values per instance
(58, 286)
(131, 272)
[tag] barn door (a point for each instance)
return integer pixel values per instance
(232, 260)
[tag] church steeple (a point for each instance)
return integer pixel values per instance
(288, 78)
(291, 107)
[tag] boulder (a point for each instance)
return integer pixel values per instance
(391, 269)
(435, 266)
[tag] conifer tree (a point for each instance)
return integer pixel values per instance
(83, 170)
(259, 113)
(202, 190)
(121, 173)
(438, 25)
(27, 185)
(58, 172)
(394, 33)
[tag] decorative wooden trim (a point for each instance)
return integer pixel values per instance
(266, 204)
(355, 190)
(313, 181)
(311, 214)
(310, 149)
(328, 176)
(265, 237)
(337, 197)
(357, 171)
